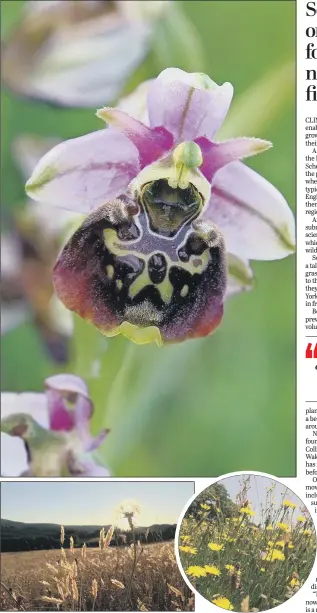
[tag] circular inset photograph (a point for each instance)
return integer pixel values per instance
(246, 543)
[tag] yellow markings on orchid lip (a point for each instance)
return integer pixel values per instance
(110, 271)
(184, 292)
(140, 336)
(143, 280)
(195, 265)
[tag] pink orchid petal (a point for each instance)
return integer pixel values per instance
(151, 144)
(178, 101)
(135, 104)
(217, 155)
(82, 414)
(82, 173)
(60, 417)
(67, 383)
(98, 440)
(252, 214)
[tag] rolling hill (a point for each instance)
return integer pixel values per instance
(20, 536)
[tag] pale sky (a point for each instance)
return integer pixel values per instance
(80, 503)
(257, 493)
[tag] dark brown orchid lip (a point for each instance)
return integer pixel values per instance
(124, 277)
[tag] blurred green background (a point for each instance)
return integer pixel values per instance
(211, 406)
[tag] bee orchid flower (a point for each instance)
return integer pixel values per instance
(53, 428)
(174, 216)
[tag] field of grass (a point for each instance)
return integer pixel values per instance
(243, 566)
(144, 578)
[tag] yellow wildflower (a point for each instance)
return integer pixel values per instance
(274, 554)
(262, 570)
(307, 532)
(185, 538)
(289, 504)
(223, 603)
(196, 571)
(230, 567)
(280, 544)
(301, 518)
(218, 509)
(215, 546)
(235, 519)
(284, 527)
(206, 507)
(294, 582)
(269, 527)
(247, 511)
(188, 549)
(212, 570)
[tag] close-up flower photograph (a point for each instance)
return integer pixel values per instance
(247, 543)
(148, 238)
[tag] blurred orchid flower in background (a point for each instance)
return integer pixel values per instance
(29, 247)
(209, 214)
(207, 211)
(52, 431)
(81, 53)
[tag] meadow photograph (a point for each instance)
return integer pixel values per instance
(101, 546)
(247, 543)
(148, 238)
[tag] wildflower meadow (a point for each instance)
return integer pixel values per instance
(247, 557)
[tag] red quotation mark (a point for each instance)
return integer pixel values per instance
(310, 353)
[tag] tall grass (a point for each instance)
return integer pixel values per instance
(129, 578)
